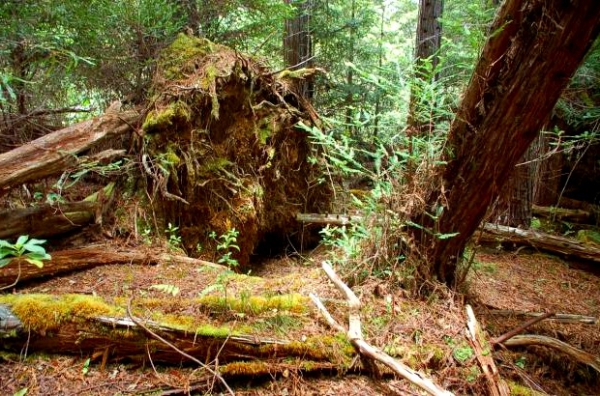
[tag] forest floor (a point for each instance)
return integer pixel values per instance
(426, 335)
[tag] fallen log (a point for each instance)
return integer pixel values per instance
(66, 261)
(90, 326)
(561, 214)
(492, 233)
(539, 240)
(549, 342)
(47, 219)
(54, 152)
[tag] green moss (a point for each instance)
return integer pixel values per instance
(161, 120)
(175, 60)
(294, 303)
(589, 237)
(520, 390)
(246, 368)
(43, 312)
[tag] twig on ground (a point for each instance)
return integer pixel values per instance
(355, 335)
(514, 332)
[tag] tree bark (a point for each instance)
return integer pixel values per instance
(297, 45)
(513, 206)
(46, 220)
(429, 39)
(54, 152)
(500, 115)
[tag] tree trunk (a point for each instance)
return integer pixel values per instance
(513, 207)
(500, 115)
(429, 38)
(297, 45)
(54, 152)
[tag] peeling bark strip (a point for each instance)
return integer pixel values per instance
(534, 48)
(52, 153)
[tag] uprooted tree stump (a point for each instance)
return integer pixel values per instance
(222, 148)
(218, 144)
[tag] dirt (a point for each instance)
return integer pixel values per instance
(426, 335)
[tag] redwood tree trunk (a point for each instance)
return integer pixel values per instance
(516, 83)
(429, 38)
(297, 44)
(513, 207)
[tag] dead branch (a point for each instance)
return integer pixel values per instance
(549, 342)
(355, 335)
(496, 386)
(492, 233)
(559, 317)
(514, 332)
(541, 240)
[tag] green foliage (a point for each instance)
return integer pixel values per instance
(226, 245)
(30, 250)
(167, 289)
(174, 239)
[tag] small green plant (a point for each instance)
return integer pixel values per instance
(86, 366)
(462, 354)
(226, 244)
(30, 250)
(174, 240)
(167, 289)
(521, 362)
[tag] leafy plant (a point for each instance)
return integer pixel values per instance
(30, 250)
(226, 244)
(174, 240)
(462, 354)
(86, 366)
(167, 289)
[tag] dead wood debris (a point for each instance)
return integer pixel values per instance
(355, 335)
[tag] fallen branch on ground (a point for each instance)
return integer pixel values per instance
(496, 386)
(492, 233)
(549, 342)
(355, 335)
(559, 317)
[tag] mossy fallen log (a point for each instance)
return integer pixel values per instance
(58, 150)
(90, 326)
(66, 261)
(561, 214)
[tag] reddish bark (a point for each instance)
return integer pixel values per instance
(515, 86)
